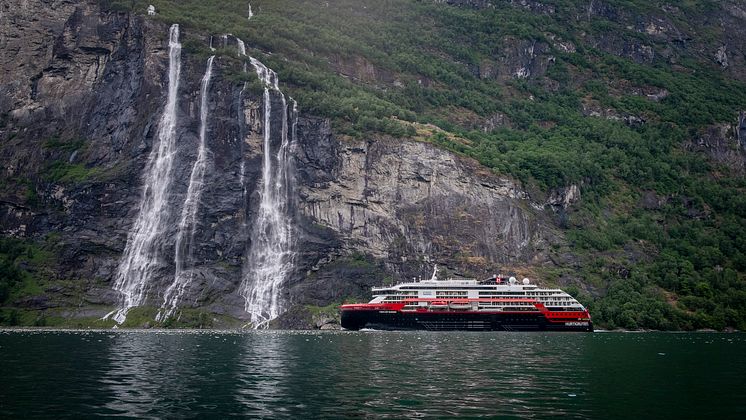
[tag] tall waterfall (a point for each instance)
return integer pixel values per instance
(141, 254)
(242, 53)
(271, 255)
(188, 221)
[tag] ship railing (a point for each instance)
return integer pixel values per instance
(457, 281)
(468, 300)
(413, 302)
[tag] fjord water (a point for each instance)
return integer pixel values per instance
(370, 374)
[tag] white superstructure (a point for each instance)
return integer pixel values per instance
(496, 294)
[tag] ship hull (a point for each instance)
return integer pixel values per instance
(458, 321)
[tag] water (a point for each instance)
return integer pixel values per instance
(142, 253)
(242, 170)
(270, 258)
(241, 116)
(188, 223)
(371, 375)
(241, 48)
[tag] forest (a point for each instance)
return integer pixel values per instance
(549, 94)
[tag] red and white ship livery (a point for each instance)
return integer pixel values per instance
(496, 304)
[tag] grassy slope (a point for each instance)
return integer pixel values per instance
(652, 268)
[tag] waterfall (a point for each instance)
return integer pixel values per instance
(141, 254)
(242, 53)
(241, 47)
(270, 258)
(188, 221)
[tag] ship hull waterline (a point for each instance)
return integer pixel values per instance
(457, 321)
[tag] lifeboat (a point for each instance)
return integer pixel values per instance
(438, 305)
(460, 305)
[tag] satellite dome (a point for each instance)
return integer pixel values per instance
(512, 280)
(525, 280)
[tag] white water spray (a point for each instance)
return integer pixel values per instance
(251, 14)
(271, 255)
(241, 47)
(267, 76)
(242, 53)
(141, 254)
(188, 223)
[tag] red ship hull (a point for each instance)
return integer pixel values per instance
(391, 316)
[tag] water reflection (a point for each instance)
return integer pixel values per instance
(148, 373)
(474, 374)
(262, 373)
(375, 374)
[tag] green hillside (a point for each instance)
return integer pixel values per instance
(554, 94)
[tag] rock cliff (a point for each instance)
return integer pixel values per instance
(82, 92)
(619, 118)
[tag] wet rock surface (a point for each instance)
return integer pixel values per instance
(399, 198)
(80, 116)
(81, 93)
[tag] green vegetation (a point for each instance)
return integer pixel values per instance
(22, 268)
(383, 67)
(60, 169)
(26, 271)
(14, 317)
(11, 275)
(328, 311)
(359, 260)
(55, 143)
(64, 172)
(194, 318)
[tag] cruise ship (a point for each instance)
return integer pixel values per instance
(496, 304)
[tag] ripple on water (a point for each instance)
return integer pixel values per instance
(154, 374)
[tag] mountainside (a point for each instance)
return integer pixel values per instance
(595, 145)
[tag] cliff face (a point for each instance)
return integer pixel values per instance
(82, 111)
(405, 205)
(618, 117)
(398, 200)
(82, 94)
(77, 89)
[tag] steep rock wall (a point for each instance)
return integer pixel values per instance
(80, 117)
(81, 93)
(405, 205)
(397, 199)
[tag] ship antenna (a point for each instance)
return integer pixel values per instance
(435, 273)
